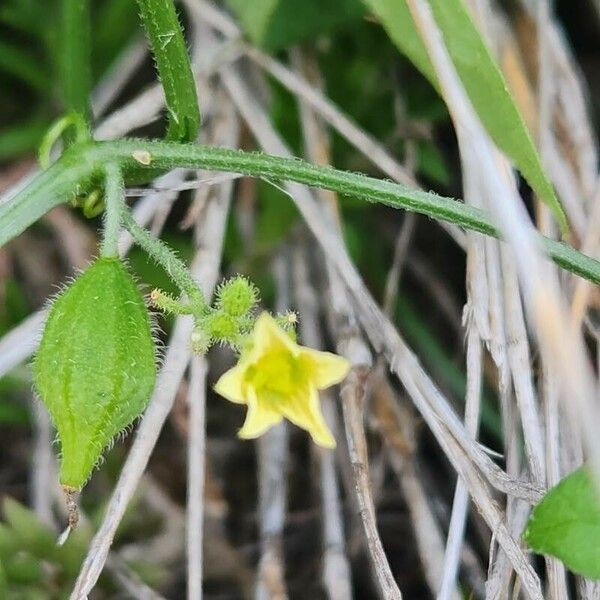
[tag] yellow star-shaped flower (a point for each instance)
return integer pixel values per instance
(277, 378)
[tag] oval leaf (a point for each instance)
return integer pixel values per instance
(566, 524)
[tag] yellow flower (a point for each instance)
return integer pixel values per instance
(277, 378)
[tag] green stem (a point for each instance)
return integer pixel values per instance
(114, 194)
(175, 73)
(79, 167)
(75, 56)
(168, 260)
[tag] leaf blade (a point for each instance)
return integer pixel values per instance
(566, 524)
(483, 82)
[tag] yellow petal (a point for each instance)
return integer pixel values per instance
(324, 368)
(268, 335)
(259, 418)
(230, 385)
(304, 410)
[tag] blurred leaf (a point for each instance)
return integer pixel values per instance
(566, 524)
(13, 414)
(8, 541)
(22, 15)
(492, 99)
(275, 217)
(19, 63)
(115, 23)
(32, 535)
(254, 15)
(14, 306)
(22, 138)
(275, 24)
(23, 568)
(482, 79)
(431, 164)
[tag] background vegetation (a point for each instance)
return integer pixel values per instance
(340, 83)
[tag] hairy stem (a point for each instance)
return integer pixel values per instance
(115, 207)
(81, 165)
(168, 260)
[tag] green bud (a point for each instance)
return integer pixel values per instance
(221, 326)
(95, 368)
(237, 296)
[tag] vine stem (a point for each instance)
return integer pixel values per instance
(114, 193)
(168, 260)
(75, 56)
(81, 164)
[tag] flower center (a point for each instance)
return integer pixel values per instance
(277, 372)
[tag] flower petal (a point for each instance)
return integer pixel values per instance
(230, 385)
(267, 335)
(324, 369)
(259, 418)
(304, 410)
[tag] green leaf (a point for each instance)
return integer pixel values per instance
(482, 79)
(566, 524)
(22, 65)
(275, 24)
(492, 99)
(31, 535)
(165, 37)
(21, 138)
(254, 15)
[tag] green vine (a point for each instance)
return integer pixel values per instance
(81, 167)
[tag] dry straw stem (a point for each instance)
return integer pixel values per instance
(433, 406)
(556, 588)
(560, 344)
(350, 343)
(458, 518)
(541, 289)
(397, 425)
(336, 567)
(196, 401)
(43, 467)
(118, 75)
(435, 409)
(336, 570)
(571, 111)
(212, 228)
(130, 581)
(273, 462)
(294, 81)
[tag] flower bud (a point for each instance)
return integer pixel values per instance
(237, 296)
